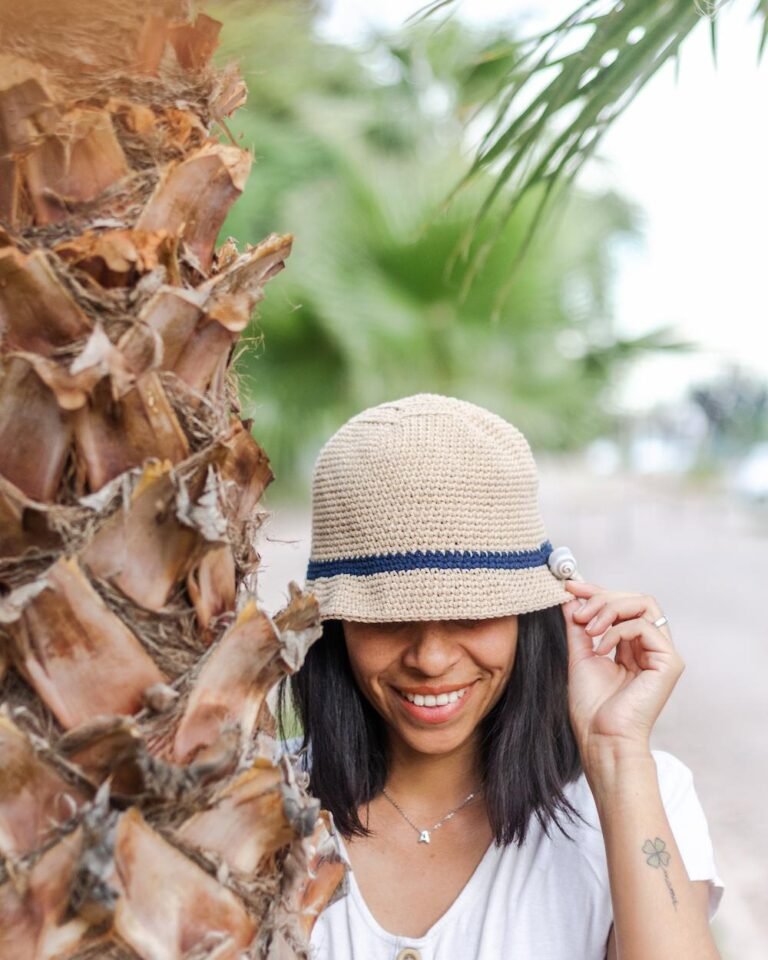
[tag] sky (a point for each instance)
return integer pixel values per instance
(693, 154)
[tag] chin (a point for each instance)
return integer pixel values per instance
(434, 742)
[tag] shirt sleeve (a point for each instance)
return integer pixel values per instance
(689, 824)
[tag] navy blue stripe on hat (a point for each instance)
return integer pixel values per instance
(432, 560)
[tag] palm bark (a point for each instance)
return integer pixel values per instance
(144, 811)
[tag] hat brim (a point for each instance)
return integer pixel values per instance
(437, 594)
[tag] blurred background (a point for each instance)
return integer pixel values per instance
(623, 329)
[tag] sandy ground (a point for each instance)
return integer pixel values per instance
(704, 558)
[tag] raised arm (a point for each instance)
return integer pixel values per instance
(613, 705)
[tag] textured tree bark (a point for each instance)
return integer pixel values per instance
(144, 811)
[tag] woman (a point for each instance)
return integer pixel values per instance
(487, 765)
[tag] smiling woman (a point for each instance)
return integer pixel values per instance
(479, 661)
(456, 711)
(354, 687)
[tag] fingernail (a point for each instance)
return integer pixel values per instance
(591, 623)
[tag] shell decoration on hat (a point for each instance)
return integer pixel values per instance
(563, 564)
(426, 508)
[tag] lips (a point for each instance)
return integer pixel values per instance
(433, 712)
(435, 691)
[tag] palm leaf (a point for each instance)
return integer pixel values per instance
(761, 10)
(597, 92)
(578, 142)
(428, 9)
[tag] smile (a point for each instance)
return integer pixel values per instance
(434, 707)
(432, 700)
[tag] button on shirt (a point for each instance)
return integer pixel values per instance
(549, 899)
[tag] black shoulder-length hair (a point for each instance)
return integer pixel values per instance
(528, 749)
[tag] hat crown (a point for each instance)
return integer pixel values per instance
(426, 472)
(426, 508)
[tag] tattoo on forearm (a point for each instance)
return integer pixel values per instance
(657, 856)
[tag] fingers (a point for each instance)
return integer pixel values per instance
(581, 588)
(641, 646)
(580, 644)
(598, 609)
(625, 656)
(600, 612)
(602, 621)
(591, 598)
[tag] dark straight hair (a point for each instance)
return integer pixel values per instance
(528, 749)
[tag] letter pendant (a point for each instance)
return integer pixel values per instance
(424, 836)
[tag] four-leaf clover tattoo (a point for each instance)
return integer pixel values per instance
(657, 855)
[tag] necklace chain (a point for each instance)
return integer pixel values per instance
(424, 834)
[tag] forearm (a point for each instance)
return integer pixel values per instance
(656, 915)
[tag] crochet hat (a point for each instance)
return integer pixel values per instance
(426, 508)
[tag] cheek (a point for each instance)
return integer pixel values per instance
(368, 660)
(495, 646)
(502, 669)
(498, 656)
(511, 657)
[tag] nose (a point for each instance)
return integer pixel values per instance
(432, 649)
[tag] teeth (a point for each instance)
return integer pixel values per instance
(430, 700)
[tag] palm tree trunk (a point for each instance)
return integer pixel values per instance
(143, 812)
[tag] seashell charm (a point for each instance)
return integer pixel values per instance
(562, 563)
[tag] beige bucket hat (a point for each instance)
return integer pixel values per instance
(426, 508)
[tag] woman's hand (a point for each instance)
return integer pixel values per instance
(613, 704)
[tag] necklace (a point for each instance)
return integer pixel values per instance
(424, 833)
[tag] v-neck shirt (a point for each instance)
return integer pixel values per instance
(466, 900)
(548, 899)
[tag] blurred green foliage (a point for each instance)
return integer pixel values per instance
(355, 153)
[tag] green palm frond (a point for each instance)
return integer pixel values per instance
(428, 9)
(761, 11)
(545, 142)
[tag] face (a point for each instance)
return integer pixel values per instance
(432, 680)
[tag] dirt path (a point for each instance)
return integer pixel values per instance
(705, 559)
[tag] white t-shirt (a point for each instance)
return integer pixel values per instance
(549, 899)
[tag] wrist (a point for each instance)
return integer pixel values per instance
(610, 766)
